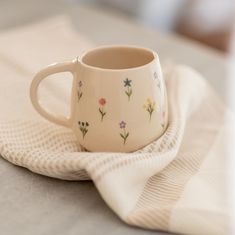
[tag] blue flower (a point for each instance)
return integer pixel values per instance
(127, 82)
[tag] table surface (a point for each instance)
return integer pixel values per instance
(61, 207)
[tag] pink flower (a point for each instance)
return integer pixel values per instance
(102, 101)
(163, 114)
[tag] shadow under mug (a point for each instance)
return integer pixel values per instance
(118, 98)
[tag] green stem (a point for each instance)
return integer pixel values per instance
(84, 131)
(128, 93)
(83, 134)
(150, 114)
(102, 113)
(124, 130)
(79, 94)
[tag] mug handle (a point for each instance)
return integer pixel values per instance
(49, 70)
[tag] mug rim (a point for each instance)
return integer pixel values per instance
(79, 59)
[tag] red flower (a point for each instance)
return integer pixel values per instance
(102, 101)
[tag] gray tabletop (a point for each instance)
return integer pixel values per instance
(53, 206)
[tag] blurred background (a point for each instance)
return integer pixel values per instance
(210, 22)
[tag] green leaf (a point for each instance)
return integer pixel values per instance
(80, 95)
(127, 134)
(122, 136)
(127, 93)
(100, 111)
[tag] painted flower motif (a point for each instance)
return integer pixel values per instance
(83, 127)
(155, 75)
(163, 119)
(149, 106)
(127, 84)
(124, 134)
(102, 102)
(163, 114)
(79, 90)
(157, 79)
(122, 125)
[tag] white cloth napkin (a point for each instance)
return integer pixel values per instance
(175, 184)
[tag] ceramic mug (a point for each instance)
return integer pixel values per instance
(118, 98)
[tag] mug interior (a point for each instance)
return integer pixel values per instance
(118, 57)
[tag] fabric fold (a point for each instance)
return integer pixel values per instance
(174, 184)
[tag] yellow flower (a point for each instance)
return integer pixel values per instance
(149, 101)
(150, 106)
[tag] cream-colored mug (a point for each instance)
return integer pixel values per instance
(118, 98)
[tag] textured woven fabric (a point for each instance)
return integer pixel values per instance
(174, 184)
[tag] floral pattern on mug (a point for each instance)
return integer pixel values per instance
(80, 90)
(83, 127)
(157, 79)
(102, 102)
(124, 135)
(127, 84)
(149, 106)
(155, 75)
(163, 119)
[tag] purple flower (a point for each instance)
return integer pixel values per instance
(122, 124)
(80, 83)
